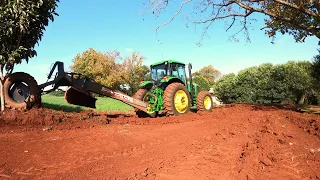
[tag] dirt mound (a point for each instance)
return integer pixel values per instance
(34, 116)
(235, 142)
(40, 117)
(49, 119)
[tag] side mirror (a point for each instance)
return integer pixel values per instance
(190, 66)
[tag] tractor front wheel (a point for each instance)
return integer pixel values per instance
(204, 101)
(140, 94)
(21, 91)
(176, 99)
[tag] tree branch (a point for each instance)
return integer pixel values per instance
(174, 15)
(224, 10)
(224, 17)
(233, 20)
(154, 7)
(306, 11)
(285, 19)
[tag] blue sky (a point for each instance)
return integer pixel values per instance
(120, 25)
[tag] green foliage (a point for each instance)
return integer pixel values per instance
(57, 93)
(202, 82)
(100, 67)
(224, 88)
(271, 86)
(22, 26)
(134, 71)
(300, 20)
(291, 82)
(244, 85)
(316, 67)
(299, 80)
(209, 73)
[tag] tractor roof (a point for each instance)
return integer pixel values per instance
(169, 61)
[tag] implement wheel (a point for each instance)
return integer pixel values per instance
(140, 94)
(176, 99)
(204, 101)
(21, 91)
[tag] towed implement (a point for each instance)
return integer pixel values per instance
(167, 90)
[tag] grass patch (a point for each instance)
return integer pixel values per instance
(102, 104)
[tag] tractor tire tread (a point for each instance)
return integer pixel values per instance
(35, 94)
(140, 95)
(200, 101)
(168, 97)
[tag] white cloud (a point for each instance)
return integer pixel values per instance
(129, 50)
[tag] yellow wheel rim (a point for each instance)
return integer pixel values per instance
(181, 101)
(207, 103)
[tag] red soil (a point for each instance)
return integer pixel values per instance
(235, 142)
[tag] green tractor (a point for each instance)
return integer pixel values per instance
(169, 92)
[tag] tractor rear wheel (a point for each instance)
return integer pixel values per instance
(21, 91)
(140, 94)
(204, 101)
(176, 99)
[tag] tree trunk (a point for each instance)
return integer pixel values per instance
(302, 98)
(2, 95)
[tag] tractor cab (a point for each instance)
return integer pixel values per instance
(168, 70)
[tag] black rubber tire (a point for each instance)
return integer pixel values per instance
(140, 95)
(34, 98)
(200, 101)
(169, 95)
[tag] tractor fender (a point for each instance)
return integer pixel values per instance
(169, 80)
(146, 85)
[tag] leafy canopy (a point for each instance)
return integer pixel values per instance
(209, 73)
(110, 69)
(22, 26)
(134, 71)
(202, 82)
(299, 18)
(103, 68)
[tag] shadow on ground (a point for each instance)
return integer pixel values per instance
(63, 107)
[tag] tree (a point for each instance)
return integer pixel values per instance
(110, 69)
(297, 18)
(22, 26)
(224, 88)
(299, 80)
(202, 82)
(316, 67)
(103, 68)
(284, 83)
(271, 86)
(134, 71)
(209, 73)
(245, 85)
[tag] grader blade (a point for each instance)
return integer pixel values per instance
(76, 97)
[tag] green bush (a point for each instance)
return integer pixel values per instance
(291, 82)
(202, 82)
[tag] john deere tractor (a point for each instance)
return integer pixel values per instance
(169, 92)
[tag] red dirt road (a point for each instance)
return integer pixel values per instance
(236, 142)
